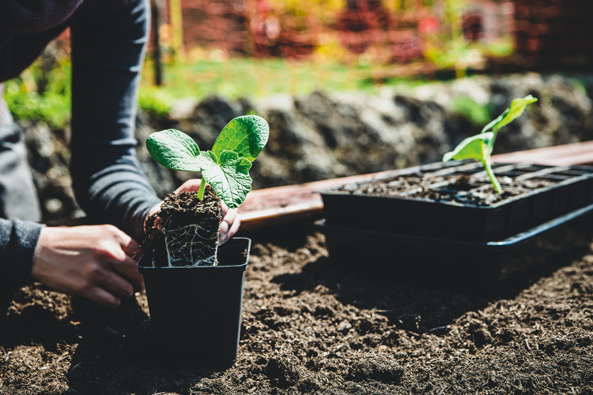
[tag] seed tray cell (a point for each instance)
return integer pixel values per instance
(457, 218)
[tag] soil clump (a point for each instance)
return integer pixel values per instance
(185, 219)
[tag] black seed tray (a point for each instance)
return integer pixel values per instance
(482, 268)
(458, 220)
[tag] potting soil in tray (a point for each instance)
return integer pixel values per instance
(456, 200)
(477, 267)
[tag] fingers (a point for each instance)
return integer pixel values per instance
(225, 209)
(128, 269)
(235, 227)
(115, 284)
(102, 297)
(151, 212)
(127, 244)
(192, 185)
(229, 226)
(224, 228)
(130, 246)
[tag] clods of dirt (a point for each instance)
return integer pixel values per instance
(310, 327)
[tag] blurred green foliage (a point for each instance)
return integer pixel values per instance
(155, 101)
(211, 72)
(475, 113)
(257, 78)
(42, 95)
(52, 108)
(198, 78)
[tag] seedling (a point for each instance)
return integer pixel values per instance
(480, 146)
(226, 167)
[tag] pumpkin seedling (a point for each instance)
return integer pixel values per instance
(480, 146)
(226, 167)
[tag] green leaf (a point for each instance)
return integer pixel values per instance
(228, 177)
(475, 147)
(509, 115)
(245, 135)
(243, 165)
(175, 150)
(226, 167)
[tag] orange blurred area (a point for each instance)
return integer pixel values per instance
(454, 34)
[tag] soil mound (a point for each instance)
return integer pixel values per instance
(308, 327)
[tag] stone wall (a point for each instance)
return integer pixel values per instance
(322, 135)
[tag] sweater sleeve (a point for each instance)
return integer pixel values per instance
(107, 56)
(18, 240)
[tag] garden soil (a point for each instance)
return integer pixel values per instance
(309, 327)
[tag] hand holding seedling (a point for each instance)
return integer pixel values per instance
(230, 221)
(226, 167)
(479, 147)
(89, 261)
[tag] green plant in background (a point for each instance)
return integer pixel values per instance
(155, 101)
(39, 94)
(51, 108)
(226, 167)
(475, 113)
(479, 147)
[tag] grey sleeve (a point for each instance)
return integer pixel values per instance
(107, 56)
(18, 240)
(18, 199)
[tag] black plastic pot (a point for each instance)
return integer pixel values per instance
(458, 220)
(196, 311)
(477, 267)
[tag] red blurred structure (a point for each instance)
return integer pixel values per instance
(548, 34)
(554, 34)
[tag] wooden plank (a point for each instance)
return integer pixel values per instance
(280, 205)
(277, 205)
(560, 155)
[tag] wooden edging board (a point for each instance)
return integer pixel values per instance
(281, 205)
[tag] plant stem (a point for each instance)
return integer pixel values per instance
(201, 190)
(490, 173)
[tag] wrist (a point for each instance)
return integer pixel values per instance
(40, 249)
(153, 210)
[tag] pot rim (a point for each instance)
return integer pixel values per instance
(244, 241)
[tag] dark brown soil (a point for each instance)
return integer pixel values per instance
(310, 328)
(176, 212)
(455, 188)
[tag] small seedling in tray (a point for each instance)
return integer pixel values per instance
(190, 224)
(480, 146)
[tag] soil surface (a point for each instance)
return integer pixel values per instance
(309, 327)
(462, 189)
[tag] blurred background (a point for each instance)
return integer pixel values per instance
(348, 86)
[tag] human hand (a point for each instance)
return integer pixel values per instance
(89, 261)
(230, 222)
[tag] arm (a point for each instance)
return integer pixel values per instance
(107, 55)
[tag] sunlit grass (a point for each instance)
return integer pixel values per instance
(256, 78)
(210, 73)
